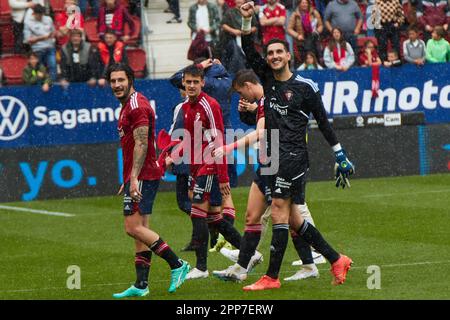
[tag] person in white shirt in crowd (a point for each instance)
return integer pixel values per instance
(339, 53)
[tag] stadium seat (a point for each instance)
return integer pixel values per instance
(12, 67)
(57, 5)
(134, 38)
(7, 36)
(5, 12)
(90, 27)
(138, 62)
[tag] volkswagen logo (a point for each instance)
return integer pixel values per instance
(13, 118)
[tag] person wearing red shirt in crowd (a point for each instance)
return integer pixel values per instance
(62, 29)
(111, 51)
(272, 17)
(369, 56)
(204, 132)
(141, 175)
(113, 16)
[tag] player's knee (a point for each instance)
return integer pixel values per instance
(252, 217)
(132, 229)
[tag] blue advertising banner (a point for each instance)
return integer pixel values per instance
(84, 115)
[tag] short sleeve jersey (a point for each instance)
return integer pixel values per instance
(137, 113)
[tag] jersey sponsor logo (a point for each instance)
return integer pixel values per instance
(288, 94)
(282, 110)
(14, 118)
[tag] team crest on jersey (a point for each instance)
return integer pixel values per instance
(288, 94)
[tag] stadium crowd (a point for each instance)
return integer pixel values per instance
(336, 34)
(48, 41)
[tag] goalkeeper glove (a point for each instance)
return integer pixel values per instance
(343, 168)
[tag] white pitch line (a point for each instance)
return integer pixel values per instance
(412, 264)
(45, 212)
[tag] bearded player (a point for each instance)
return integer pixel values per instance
(141, 176)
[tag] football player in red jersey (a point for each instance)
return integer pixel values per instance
(141, 175)
(204, 132)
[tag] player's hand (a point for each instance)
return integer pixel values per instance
(343, 168)
(219, 152)
(247, 10)
(225, 189)
(168, 161)
(245, 106)
(206, 63)
(120, 192)
(135, 194)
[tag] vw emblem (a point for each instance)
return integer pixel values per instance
(13, 118)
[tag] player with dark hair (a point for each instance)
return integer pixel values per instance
(141, 175)
(289, 101)
(204, 128)
(246, 83)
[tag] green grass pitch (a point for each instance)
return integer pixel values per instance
(400, 224)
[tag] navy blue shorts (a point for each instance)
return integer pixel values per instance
(148, 189)
(206, 188)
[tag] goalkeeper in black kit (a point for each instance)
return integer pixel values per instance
(289, 101)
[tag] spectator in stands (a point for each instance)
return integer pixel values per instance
(438, 49)
(432, 13)
(387, 18)
(114, 16)
(414, 49)
(174, 7)
(310, 62)
(369, 55)
(79, 60)
(44, 3)
(18, 10)
(272, 17)
(393, 59)
(62, 30)
(230, 48)
(305, 26)
(111, 51)
(223, 7)
(83, 4)
(410, 11)
(35, 73)
(338, 54)
(204, 17)
(39, 32)
(134, 7)
(345, 15)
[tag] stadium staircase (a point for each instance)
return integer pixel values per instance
(167, 44)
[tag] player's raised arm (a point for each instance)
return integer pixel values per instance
(254, 59)
(140, 136)
(343, 166)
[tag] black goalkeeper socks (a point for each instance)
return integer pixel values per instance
(280, 236)
(313, 237)
(303, 248)
(142, 261)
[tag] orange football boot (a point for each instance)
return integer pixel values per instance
(340, 268)
(264, 283)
